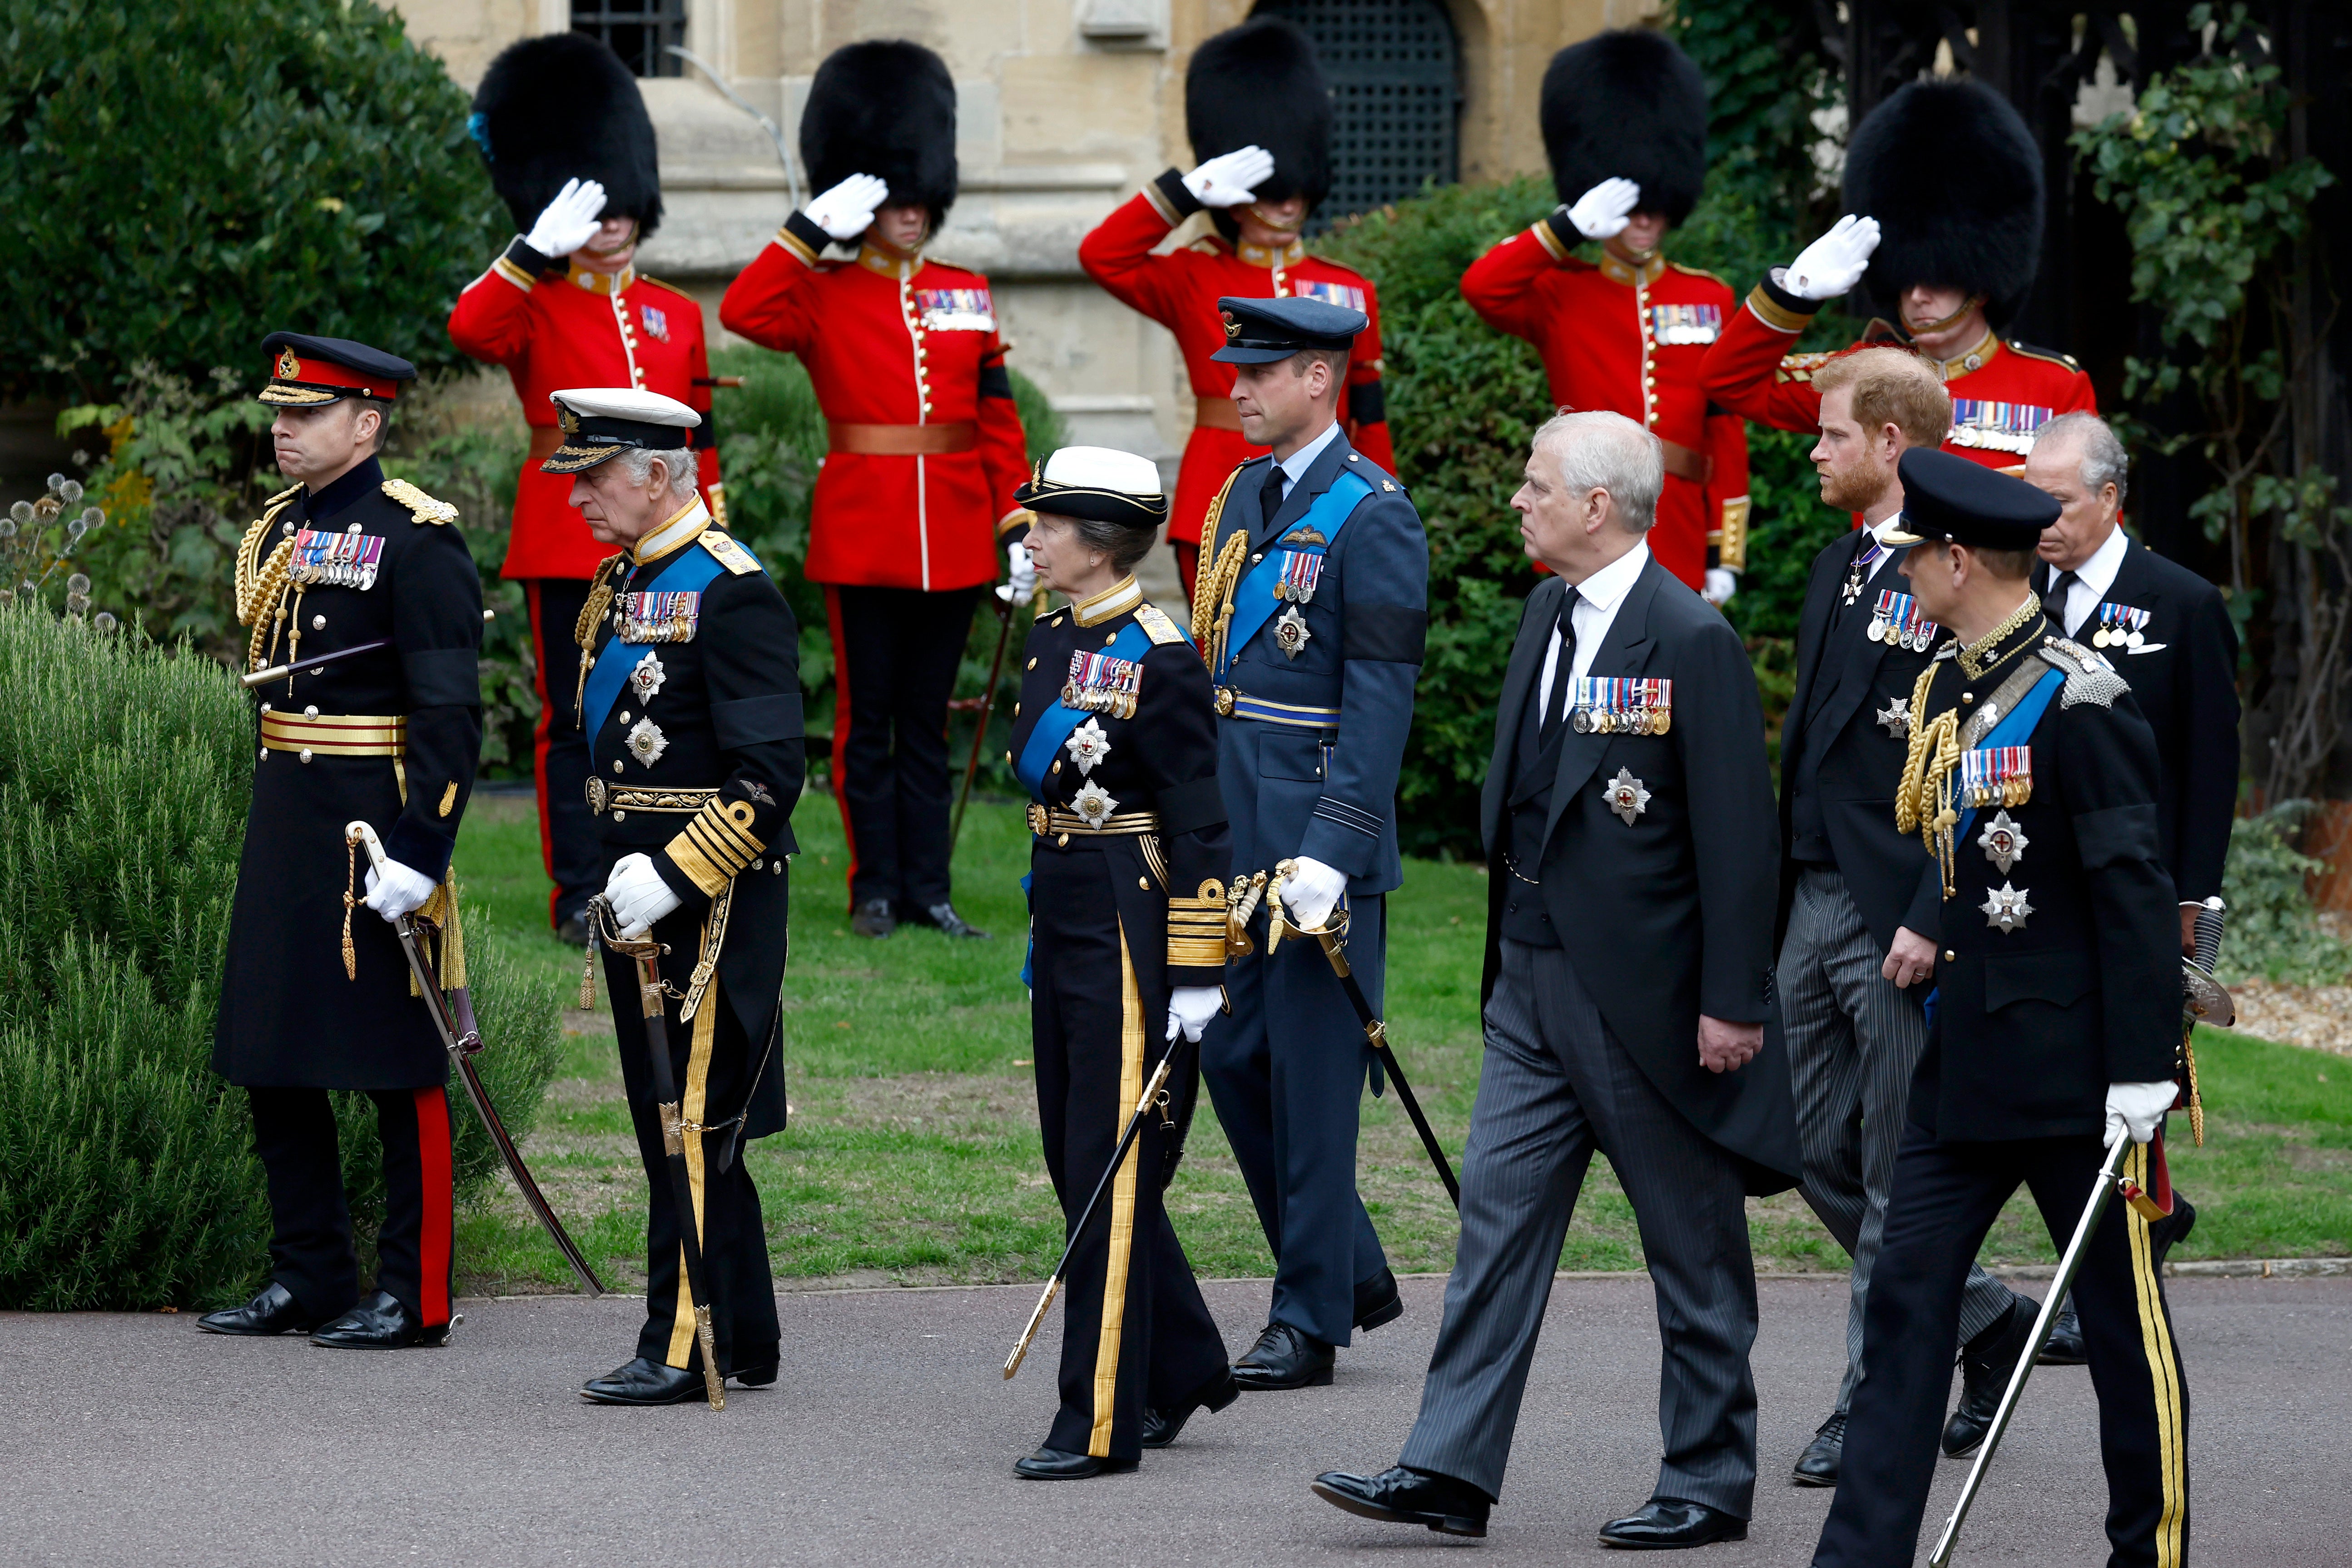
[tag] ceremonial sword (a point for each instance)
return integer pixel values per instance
(453, 1019)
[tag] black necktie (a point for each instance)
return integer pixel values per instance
(1555, 704)
(2053, 603)
(1269, 495)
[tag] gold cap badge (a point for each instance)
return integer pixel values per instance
(1233, 327)
(290, 367)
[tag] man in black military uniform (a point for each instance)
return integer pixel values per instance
(2032, 779)
(691, 701)
(317, 997)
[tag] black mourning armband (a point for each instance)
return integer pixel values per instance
(1190, 807)
(756, 721)
(442, 677)
(995, 381)
(1387, 634)
(1368, 403)
(2116, 835)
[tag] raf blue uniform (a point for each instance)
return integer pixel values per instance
(1315, 698)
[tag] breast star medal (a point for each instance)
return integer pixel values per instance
(646, 743)
(1087, 745)
(2005, 908)
(1095, 803)
(1290, 632)
(2003, 843)
(1626, 796)
(646, 678)
(1895, 717)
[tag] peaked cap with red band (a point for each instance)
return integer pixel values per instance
(306, 371)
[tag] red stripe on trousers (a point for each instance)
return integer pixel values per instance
(432, 1241)
(539, 742)
(841, 736)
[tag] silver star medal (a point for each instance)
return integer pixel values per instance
(647, 741)
(2003, 843)
(1095, 803)
(647, 678)
(1895, 717)
(1087, 745)
(1626, 796)
(1290, 632)
(2005, 908)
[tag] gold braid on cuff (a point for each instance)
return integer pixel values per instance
(716, 845)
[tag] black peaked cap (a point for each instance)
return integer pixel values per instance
(1950, 497)
(1627, 103)
(885, 108)
(563, 107)
(1954, 178)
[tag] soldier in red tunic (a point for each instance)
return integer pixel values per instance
(1260, 121)
(570, 151)
(925, 452)
(1947, 184)
(1624, 124)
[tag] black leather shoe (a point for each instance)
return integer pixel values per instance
(381, 1323)
(2174, 1226)
(274, 1312)
(1160, 1427)
(1378, 1301)
(942, 916)
(1818, 1465)
(1399, 1496)
(873, 918)
(1054, 1465)
(1986, 1362)
(643, 1382)
(2064, 1346)
(1284, 1357)
(1665, 1523)
(760, 1373)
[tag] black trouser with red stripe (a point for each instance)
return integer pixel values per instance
(1946, 1197)
(895, 656)
(567, 831)
(311, 1251)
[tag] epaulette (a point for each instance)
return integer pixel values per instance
(2089, 677)
(727, 554)
(661, 283)
(422, 508)
(1700, 272)
(1156, 625)
(1800, 367)
(2051, 355)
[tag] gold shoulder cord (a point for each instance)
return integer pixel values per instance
(1923, 799)
(1212, 592)
(261, 583)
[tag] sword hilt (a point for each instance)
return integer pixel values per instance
(362, 832)
(2210, 916)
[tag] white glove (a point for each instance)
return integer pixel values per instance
(1834, 263)
(1229, 179)
(638, 895)
(398, 891)
(1722, 582)
(846, 211)
(569, 221)
(1310, 890)
(2139, 1106)
(1602, 212)
(1190, 1008)
(1023, 572)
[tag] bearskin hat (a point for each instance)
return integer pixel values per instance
(1260, 85)
(1954, 178)
(885, 108)
(563, 107)
(1627, 103)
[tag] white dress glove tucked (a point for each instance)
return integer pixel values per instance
(1190, 1008)
(1722, 582)
(2139, 1106)
(1229, 179)
(846, 211)
(1834, 263)
(397, 890)
(1024, 575)
(1311, 889)
(1602, 212)
(637, 894)
(569, 221)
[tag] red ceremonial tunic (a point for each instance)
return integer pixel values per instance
(2002, 392)
(1631, 341)
(925, 443)
(571, 328)
(1181, 291)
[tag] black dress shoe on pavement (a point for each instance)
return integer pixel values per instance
(2064, 1346)
(1818, 1465)
(942, 916)
(1399, 1496)
(274, 1312)
(760, 1374)
(643, 1382)
(1054, 1465)
(1667, 1523)
(1284, 1357)
(1986, 1362)
(873, 918)
(381, 1323)
(1378, 1301)
(1160, 1427)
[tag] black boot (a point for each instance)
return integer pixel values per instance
(1818, 1465)
(381, 1323)
(1986, 1362)
(274, 1312)
(643, 1382)
(1284, 1357)
(1160, 1427)
(1378, 1301)
(1399, 1496)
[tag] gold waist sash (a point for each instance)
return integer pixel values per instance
(334, 734)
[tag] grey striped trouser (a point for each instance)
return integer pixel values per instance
(1854, 1041)
(1555, 1086)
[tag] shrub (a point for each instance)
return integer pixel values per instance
(2273, 932)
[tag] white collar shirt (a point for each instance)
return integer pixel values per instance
(2093, 578)
(1878, 532)
(1293, 468)
(1597, 601)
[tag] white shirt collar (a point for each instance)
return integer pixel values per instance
(2098, 573)
(1295, 467)
(1592, 610)
(1612, 582)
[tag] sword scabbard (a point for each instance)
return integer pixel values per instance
(714, 1382)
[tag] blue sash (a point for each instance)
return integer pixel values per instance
(1054, 724)
(1253, 601)
(690, 572)
(2014, 731)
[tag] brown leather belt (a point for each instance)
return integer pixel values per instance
(545, 440)
(1216, 414)
(901, 440)
(1686, 464)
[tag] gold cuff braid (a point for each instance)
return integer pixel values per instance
(716, 845)
(1196, 931)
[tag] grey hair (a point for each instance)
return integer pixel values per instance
(2105, 462)
(1602, 451)
(685, 469)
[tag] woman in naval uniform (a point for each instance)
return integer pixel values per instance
(1115, 737)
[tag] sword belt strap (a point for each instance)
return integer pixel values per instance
(334, 734)
(617, 798)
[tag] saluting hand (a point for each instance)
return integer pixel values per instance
(1834, 263)
(847, 210)
(1602, 212)
(1229, 179)
(1728, 1047)
(569, 221)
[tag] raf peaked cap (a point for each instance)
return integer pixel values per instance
(306, 371)
(1100, 484)
(600, 422)
(1258, 331)
(1950, 499)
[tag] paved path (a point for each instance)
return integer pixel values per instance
(134, 1440)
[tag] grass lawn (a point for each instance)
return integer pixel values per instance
(912, 1154)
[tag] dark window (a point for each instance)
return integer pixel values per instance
(640, 31)
(1396, 96)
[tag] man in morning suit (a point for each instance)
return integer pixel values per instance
(1628, 822)
(1311, 611)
